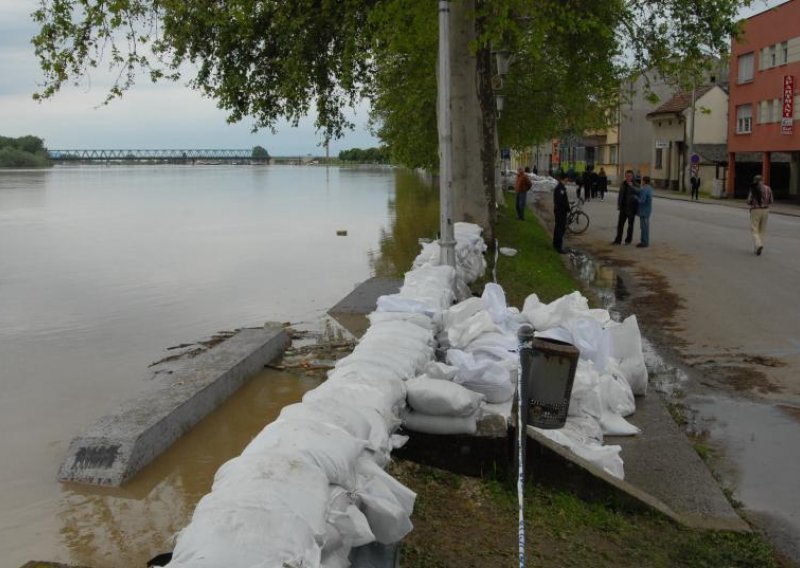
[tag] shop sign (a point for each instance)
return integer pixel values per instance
(787, 120)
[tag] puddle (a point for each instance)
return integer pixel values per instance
(602, 279)
(759, 459)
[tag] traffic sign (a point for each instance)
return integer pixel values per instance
(695, 159)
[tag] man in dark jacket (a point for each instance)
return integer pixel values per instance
(560, 210)
(628, 206)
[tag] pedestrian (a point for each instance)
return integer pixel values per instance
(560, 211)
(695, 183)
(628, 206)
(535, 170)
(645, 209)
(759, 199)
(521, 187)
(588, 183)
(579, 182)
(602, 183)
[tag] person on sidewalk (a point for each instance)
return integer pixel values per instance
(759, 199)
(695, 183)
(645, 209)
(602, 183)
(521, 187)
(628, 206)
(560, 211)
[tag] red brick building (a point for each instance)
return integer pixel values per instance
(764, 114)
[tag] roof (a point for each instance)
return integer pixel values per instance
(680, 101)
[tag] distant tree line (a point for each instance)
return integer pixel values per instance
(368, 156)
(23, 152)
(260, 152)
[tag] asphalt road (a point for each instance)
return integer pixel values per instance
(729, 319)
(738, 308)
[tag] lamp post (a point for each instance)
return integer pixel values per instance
(447, 252)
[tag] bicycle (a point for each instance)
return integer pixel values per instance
(577, 219)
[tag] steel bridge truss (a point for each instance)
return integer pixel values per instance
(154, 155)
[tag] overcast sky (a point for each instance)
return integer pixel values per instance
(165, 115)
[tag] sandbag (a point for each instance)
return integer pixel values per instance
(489, 378)
(441, 398)
(333, 450)
(448, 425)
(626, 346)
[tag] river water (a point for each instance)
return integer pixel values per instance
(102, 268)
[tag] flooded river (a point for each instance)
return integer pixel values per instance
(102, 268)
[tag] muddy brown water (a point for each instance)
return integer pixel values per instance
(103, 268)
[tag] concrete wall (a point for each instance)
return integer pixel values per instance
(711, 116)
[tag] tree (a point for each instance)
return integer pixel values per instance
(289, 58)
(260, 152)
(23, 152)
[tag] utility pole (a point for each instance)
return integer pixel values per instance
(691, 135)
(446, 228)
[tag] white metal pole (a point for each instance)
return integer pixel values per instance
(446, 233)
(691, 135)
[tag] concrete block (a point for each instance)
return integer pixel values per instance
(117, 446)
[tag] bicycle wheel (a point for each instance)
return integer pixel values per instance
(578, 223)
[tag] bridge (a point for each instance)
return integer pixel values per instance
(175, 156)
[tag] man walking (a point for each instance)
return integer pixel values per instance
(645, 209)
(628, 207)
(759, 198)
(521, 187)
(560, 210)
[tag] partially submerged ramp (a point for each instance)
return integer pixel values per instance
(117, 446)
(352, 310)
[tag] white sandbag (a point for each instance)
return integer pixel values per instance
(338, 558)
(388, 515)
(438, 370)
(461, 312)
(224, 532)
(405, 496)
(354, 423)
(626, 345)
(333, 450)
(615, 390)
(557, 312)
(365, 395)
(288, 479)
(614, 424)
(371, 366)
(350, 524)
(420, 320)
(398, 303)
(463, 334)
(489, 378)
(494, 300)
(585, 398)
(449, 425)
(589, 337)
(605, 457)
(441, 398)
(494, 346)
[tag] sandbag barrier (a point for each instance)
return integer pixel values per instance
(311, 486)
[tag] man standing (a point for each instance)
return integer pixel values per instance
(645, 209)
(695, 182)
(560, 210)
(628, 206)
(521, 187)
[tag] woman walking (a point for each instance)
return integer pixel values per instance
(759, 199)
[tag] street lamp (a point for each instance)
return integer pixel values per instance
(447, 241)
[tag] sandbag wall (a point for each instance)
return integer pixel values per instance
(311, 486)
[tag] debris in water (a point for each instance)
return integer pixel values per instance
(341, 233)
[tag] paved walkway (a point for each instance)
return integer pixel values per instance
(781, 207)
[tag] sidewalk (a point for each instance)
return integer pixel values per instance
(782, 207)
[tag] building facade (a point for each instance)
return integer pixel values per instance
(763, 114)
(684, 125)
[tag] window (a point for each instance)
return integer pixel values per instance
(659, 158)
(764, 112)
(744, 118)
(773, 56)
(612, 154)
(785, 52)
(777, 110)
(746, 68)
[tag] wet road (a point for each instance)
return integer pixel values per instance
(728, 319)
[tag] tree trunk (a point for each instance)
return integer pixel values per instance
(473, 183)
